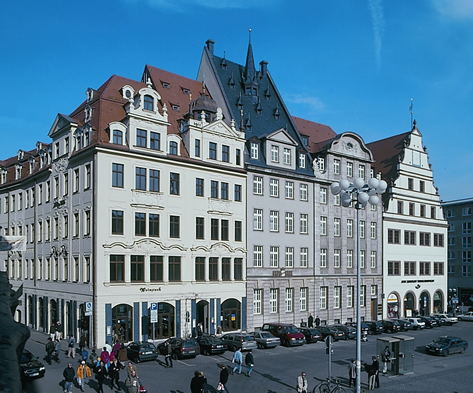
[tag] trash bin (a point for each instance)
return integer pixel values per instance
(406, 354)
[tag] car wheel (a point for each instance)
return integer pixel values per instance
(463, 350)
(446, 353)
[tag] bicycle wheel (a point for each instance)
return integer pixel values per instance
(322, 388)
(339, 389)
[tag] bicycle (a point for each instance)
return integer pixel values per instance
(324, 387)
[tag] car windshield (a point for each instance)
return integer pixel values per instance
(189, 343)
(265, 335)
(442, 340)
(291, 330)
(26, 357)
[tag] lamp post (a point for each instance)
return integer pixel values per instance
(361, 194)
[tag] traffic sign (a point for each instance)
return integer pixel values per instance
(154, 312)
(88, 309)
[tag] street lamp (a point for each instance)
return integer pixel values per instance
(361, 194)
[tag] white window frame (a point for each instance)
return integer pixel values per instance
(303, 298)
(337, 293)
(323, 226)
(374, 259)
(287, 156)
(289, 300)
(323, 195)
(289, 190)
(274, 188)
(304, 224)
(257, 219)
(273, 300)
(350, 259)
(323, 257)
(304, 256)
(289, 222)
(289, 257)
(336, 258)
(254, 151)
(274, 221)
(257, 185)
(323, 298)
(274, 153)
(257, 256)
(303, 192)
(273, 256)
(257, 298)
(337, 226)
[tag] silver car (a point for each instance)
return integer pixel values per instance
(266, 340)
(243, 341)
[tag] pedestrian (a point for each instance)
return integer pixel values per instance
(168, 356)
(93, 357)
(250, 362)
(49, 350)
(375, 366)
(108, 347)
(105, 357)
(122, 356)
(132, 383)
(57, 351)
(371, 376)
(100, 374)
(58, 331)
(83, 372)
(68, 375)
(310, 321)
(223, 379)
(238, 360)
(71, 347)
(131, 368)
(352, 373)
(197, 382)
(317, 321)
(386, 358)
(302, 384)
(52, 331)
(114, 373)
(116, 347)
(205, 388)
(82, 342)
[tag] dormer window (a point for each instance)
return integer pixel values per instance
(302, 160)
(305, 140)
(88, 114)
(173, 148)
(4, 176)
(267, 94)
(20, 155)
(117, 137)
(148, 103)
(175, 107)
(166, 85)
(254, 151)
(231, 82)
(56, 149)
(274, 153)
(31, 165)
(321, 163)
(18, 168)
(276, 113)
(90, 94)
(66, 145)
(185, 91)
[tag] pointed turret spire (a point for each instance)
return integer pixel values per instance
(250, 80)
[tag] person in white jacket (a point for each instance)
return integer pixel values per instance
(302, 384)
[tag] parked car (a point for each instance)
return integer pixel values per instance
(445, 345)
(211, 345)
(139, 351)
(181, 348)
(404, 324)
(416, 322)
(390, 326)
(330, 331)
(350, 332)
(375, 327)
(437, 319)
(312, 335)
(288, 334)
(364, 327)
(468, 316)
(429, 322)
(244, 341)
(31, 367)
(447, 318)
(266, 340)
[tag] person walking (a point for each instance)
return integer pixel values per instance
(132, 383)
(52, 331)
(68, 375)
(83, 372)
(310, 321)
(375, 366)
(238, 360)
(317, 321)
(93, 357)
(352, 373)
(302, 384)
(371, 376)
(57, 351)
(100, 374)
(49, 350)
(114, 373)
(198, 382)
(105, 357)
(250, 362)
(58, 331)
(386, 358)
(71, 347)
(168, 356)
(224, 378)
(131, 368)
(82, 342)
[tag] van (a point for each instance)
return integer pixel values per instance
(289, 334)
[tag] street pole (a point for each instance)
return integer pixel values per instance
(358, 297)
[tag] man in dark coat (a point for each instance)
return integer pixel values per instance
(317, 321)
(250, 362)
(198, 382)
(49, 350)
(224, 377)
(310, 321)
(375, 367)
(68, 374)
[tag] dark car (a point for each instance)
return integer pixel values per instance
(139, 351)
(31, 367)
(311, 335)
(266, 340)
(429, 322)
(445, 345)
(391, 326)
(350, 332)
(404, 324)
(211, 345)
(181, 348)
(375, 327)
(330, 331)
(364, 327)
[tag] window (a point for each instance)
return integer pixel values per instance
(274, 153)
(411, 209)
(304, 256)
(199, 187)
(323, 226)
(274, 300)
(148, 103)
(303, 298)
(224, 191)
(289, 299)
(257, 185)
(174, 183)
(197, 147)
(76, 226)
(466, 211)
(154, 140)
(466, 228)
(424, 268)
(438, 269)
(373, 260)
(350, 291)
(349, 227)
(400, 207)
(363, 296)
(237, 195)
(349, 259)
(212, 150)
(362, 229)
(289, 190)
(374, 290)
(303, 192)
(65, 233)
(173, 148)
(258, 219)
(336, 226)
(304, 224)
(200, 269)
(141, 138)
(336, 259)
(323, 195)
(336, 166)
(154, 180)
(213, 269)
(238, 269)
(199, 227)
(289, 257)
(117, 268)
(323, 257)
(254, 151)
(394, 236)
(76, 184)
(257, 298)
(140, 224)
(421, 186)
(140, 183)
(287, 157)
(466, 271)
(224, 229)
(117, 137)
(174, 226)
(274, 187)
(226, 267)
(156, 268)
(273, 256)
(394, 268)
(289, 223)
(438, 239)
(238, 157)
(117, 175)
(301, 160)
(258, 256)
(410, 237)
(87, 223)
(153, 220)
(321, 163)
(424, 239)
(337, 292)
(466, 242)
(214, 229)
(410, 184)
(336, 200)
(225, 153)
(274, 221)
(466, 257)
(362, 259)
(174, 268)
(422, 210)
(238, 231)
(374, 230)
(349, 169)
(323, 297)
(137, 268)
(361, 172)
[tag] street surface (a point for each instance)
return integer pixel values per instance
(276, 369)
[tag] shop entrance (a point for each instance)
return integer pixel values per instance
(122, 323)
(424, 304)
(164, 328)
(203, 316)
(230, 317)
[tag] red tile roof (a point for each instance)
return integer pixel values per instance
(316, 132)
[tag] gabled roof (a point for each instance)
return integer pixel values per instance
(316, 132)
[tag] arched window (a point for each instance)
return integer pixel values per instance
(148, 103)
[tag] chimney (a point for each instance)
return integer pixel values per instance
(210, 46)
(264, 67)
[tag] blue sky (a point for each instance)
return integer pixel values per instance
(353, 65)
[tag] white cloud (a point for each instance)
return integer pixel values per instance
(377, 19)
(457, 9)
(183, 5)
(313, 103)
